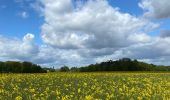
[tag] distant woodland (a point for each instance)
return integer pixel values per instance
(124, 64)
(20, 67)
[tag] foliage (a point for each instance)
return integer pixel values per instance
(124, 64)
(64, 69)
(20, 67)
(49, 69)
(74, 69)
(85, 86)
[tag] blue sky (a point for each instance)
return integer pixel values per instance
(76, 32)
(13, 24)
(130, 6)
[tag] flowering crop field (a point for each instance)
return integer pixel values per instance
(85, 86)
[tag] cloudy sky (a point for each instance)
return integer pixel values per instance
(81, 32)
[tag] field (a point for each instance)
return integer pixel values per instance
(85, 86)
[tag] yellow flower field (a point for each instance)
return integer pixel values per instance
(85, 86)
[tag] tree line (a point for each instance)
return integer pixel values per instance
(20, 67)
(124, 64)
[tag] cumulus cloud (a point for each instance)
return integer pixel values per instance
(156, 8)
(165, 33)
(94, 31)
(18, 49)
(23, 14)
(81, 33)
(59, 57)
(156, 49)
(94, 25)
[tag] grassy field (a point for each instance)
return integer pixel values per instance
(85, 86)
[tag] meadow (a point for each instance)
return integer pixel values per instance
(85, 86)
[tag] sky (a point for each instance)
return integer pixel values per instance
(82, 32)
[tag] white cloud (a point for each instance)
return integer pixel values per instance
(28, 37)
(165, 33)
(86, 33)
(18, 49)
(95, 31)
(156, 51)
(141, 38)
(24, 14)
(95, 25)
(59, 57)
(156, 8)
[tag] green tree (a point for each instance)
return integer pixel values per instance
(64, 69)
